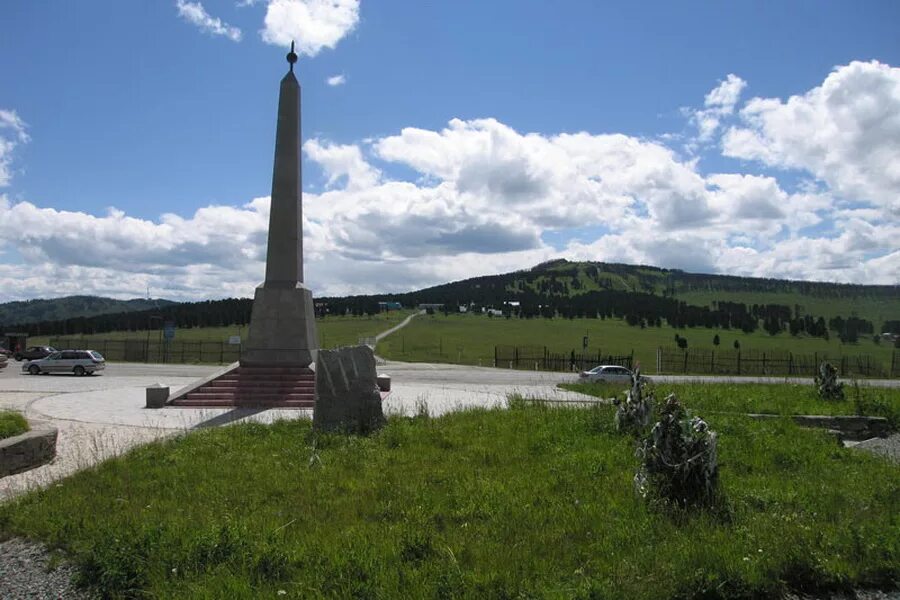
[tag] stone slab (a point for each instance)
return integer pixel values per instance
(26, 451)
(348, 398)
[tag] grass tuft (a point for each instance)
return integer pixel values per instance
(12, 424)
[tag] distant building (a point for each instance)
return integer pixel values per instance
(434, 306)
(389, 306)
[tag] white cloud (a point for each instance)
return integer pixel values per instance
(194, 13)
(845, 132)
(343, 161)
(718, 103)
(336, 80)
(312, 24)
(10, 123)
(481, 199)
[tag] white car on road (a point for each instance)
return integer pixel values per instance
(79, 362)
(606, 374)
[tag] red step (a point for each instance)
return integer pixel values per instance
(266, 387)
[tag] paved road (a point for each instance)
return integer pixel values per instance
(401, 325)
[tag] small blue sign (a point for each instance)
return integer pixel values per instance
(169, 331)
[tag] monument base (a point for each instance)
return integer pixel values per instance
(282, 328)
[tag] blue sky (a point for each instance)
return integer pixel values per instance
(465, 138)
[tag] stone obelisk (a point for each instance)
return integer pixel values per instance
(282, 323)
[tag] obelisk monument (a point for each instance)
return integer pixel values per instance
(282, 323)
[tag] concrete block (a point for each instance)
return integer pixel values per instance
(157, 395)
(384, 382)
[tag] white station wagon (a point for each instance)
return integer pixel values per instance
(606, 374)
(79, 362)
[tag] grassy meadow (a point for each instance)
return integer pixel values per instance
(470, 339)
(530, 502)
(781, 399)
(334, 331)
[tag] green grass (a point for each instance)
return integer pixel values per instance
(781, 399)
(12, 424)
(333, 331)
(532, 502)
(470, 339)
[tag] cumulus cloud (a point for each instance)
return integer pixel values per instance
(312, 24)
(845, 132)
(479, 197)
(194, 13)
(336, 80)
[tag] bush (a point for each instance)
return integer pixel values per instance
(679, 464)
(826, 382)
(633, 415)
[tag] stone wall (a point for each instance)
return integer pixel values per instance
(27, 451)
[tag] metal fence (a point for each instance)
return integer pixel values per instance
(541, 358)
(153, 351)
(749, 362)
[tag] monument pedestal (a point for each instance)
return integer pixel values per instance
(282, 328)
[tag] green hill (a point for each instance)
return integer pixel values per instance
(58, 309)
(565, 279)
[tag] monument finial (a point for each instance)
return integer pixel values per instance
(292, 57)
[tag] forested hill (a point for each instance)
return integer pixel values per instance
(59, 309)
(577, 287)
(642, 296)
(562, 277)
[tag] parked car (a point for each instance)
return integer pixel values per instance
(607, 374)
(3, 361)
(33, 353)
(79, 362)
(5, 352)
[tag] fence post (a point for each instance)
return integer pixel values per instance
(843, 366)
(712, 361)
(221, 352)
(516, 356)
(893, 361)
(739, 363)
(658, 358)
(545, 367)
(495, 355)
(790, 363)
(764, 364)
(684, 369)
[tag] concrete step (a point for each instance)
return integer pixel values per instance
(272, 377)
(249, 381)
(259, 395)
(276, 385)
(301, 404)
(274, 371)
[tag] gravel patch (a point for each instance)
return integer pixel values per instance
(888, 447)
(27, 571)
